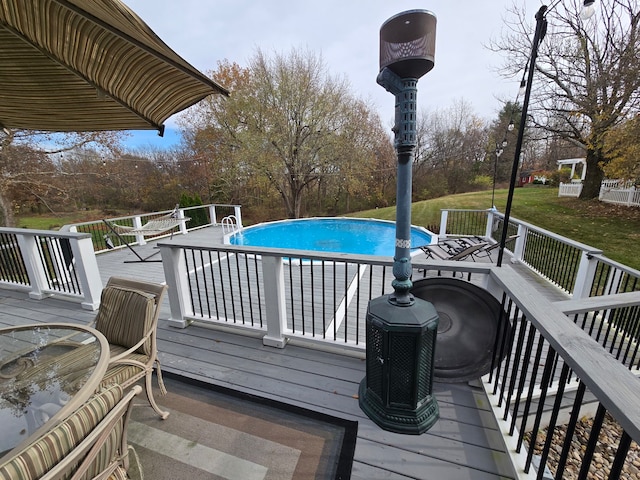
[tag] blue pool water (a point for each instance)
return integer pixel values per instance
(339, 235)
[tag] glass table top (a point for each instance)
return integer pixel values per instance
(42, 370)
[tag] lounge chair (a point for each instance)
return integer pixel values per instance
(90, 443)
(486, 252)
(128, 317)
(151, 228)
(436, 252)
(456, 244)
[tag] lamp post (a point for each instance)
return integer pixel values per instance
(541, 29)
(396, 392)
(499, 150)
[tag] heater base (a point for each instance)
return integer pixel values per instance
(398, 420)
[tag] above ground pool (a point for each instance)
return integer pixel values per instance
(338, 235)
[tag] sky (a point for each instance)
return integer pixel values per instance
(346, 34)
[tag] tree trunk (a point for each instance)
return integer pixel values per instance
(594, 176)
(297, 204)
(6, 212)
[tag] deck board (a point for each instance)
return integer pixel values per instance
(464, 443)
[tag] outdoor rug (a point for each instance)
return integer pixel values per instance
(217, 433)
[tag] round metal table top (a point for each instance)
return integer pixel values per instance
(471, 324)
(46, 371)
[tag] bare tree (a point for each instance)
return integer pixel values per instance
(587, 76)
(291, 124)
(297, 112)
(451, 143)
(28, 165)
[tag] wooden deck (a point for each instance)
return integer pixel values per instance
(465, 443)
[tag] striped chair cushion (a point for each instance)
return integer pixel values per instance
(108, 452)
(121, 374)
(124, 317)
(124, 374)
(115, 350)
(39, 457)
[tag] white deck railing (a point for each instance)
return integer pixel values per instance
(201, 216)
(567, 264)
(287, 294)
(46, 263)
(63, 263)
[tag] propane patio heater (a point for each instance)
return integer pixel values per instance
(396, 392)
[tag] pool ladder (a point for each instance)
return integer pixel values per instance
(229, 224)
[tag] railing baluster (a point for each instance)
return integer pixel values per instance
(209, 267)
(196, 277)
(313, 299)
(258, 289)
(222, 286)
(585, 316)
(554, 368)
(523, 375)
(346, 295)
(594, 323)
(291, 298)
(189, 280)
(229, 281)
(592, 443)
(571, 428)
(552, 421)
(506, 349)
(357, 322)
(621, 456)
(521, 327)
(529, 400)
(499, 341)
(544, 386)
(324, 302)
(302, 316)
(335, 304)
(601, 273)
(205, 290)
(240, 290)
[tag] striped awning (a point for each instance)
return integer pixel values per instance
(89, 65)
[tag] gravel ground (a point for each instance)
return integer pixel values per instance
(604, 452)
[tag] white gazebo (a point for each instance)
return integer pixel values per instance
(573, 162)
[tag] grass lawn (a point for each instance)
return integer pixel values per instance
(613, 229)
(54, 222)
